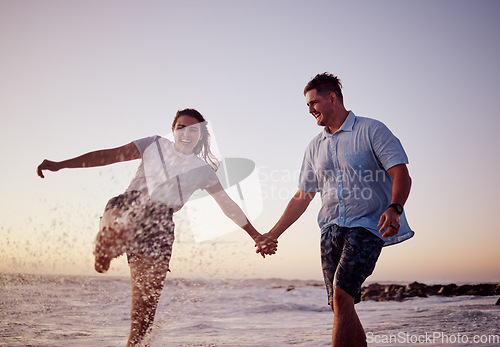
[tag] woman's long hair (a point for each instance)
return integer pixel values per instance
(202, 148)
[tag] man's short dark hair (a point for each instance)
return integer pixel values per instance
(325, 83)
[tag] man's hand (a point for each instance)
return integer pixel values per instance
(47, 165)
(266, 244)
(389, 223)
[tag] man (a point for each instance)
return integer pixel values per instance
(359, 168)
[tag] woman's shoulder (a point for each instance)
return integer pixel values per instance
(144, 143)
(147, 139)
(155, 138)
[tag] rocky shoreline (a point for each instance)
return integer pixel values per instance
(397, 292)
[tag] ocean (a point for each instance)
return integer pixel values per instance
(50, 310)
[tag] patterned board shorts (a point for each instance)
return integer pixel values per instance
(151, 223)
(348, 257)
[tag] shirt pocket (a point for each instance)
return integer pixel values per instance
(356, 161)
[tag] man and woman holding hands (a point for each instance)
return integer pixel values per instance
(351, 154)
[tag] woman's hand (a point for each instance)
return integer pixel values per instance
(47, 165)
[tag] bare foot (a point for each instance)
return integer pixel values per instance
(101, 264)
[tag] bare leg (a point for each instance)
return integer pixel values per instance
(147, 277)
(347, 329)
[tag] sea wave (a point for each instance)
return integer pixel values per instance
(82, 311)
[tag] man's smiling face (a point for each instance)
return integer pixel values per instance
(320, 106)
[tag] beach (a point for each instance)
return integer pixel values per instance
(48, 310)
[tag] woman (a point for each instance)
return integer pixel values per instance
(139, 222)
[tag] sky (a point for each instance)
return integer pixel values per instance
(79, 76)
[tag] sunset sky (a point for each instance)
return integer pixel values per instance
(77, 76)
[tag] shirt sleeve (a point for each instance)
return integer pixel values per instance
(144, 143)
(387, 147)
(211, 178)
(308, 181)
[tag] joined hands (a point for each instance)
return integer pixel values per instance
(266, 244)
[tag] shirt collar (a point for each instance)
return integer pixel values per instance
(348, 125)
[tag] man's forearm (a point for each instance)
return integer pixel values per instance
(401, 184)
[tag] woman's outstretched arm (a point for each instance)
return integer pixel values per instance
(96, 158)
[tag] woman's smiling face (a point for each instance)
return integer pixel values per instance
(187, 134)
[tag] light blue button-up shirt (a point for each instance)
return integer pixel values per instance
(349, 169)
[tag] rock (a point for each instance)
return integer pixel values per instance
(434, 289)
(372, 292)
(394, 288)
(498, 302)
(447, 290)
(386, 292)
(484, 289)
(416, 289)
(415, 286)
(466, 289)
